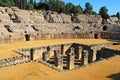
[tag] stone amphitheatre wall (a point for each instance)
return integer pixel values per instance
(23, 25)
(107, 35)
(29, 37)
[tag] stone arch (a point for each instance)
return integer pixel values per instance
(105, 28)
(27, 37)
(96, 36)
(8, 28)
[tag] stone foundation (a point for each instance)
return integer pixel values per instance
(62, 57)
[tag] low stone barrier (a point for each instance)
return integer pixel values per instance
(13, 61)
(72, 35)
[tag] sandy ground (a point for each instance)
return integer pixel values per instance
(103, 70)
(36, 71)
(116, 47)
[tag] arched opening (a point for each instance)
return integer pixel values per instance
(48, 48)
(62, 33)
(76, 28)
(8, 28)
(105, 28)
(95, 36)
(27, 37)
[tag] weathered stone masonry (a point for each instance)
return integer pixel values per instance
(96, 35)
(62, 57)
(13, 61)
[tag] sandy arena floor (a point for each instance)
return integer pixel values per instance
(36, 71)
(117, 47)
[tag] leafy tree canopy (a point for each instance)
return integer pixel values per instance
(103, 12)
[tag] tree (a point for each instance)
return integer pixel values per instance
(60, 6)
(24, 4)
(6, 3)
(12, 3)
(30, 6)
(56, 5)
(43, 6)
(1, 3)
(88, 8)
(118, 15)
(36, 5)
(31, 1)
(51, 4)
(17, 3)
(94, 13)
(76, 10)
(68, 8)
(103, 12)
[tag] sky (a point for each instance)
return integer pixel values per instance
(113, 6)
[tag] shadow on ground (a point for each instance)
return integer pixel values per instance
(115, 76)
(113, 40)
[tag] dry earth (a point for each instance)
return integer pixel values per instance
(36, 71)
(117, 47)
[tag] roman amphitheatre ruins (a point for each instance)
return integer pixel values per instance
(43, 45)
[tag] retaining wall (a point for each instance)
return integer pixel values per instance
(13, 61)
(92, 35)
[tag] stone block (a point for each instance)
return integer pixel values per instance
(84, 57)
(46, 56)
(58, 61)
(70, 61)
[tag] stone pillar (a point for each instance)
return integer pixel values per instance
(60, 48)
(84, 57)
(46, 56)
(41, 50)
(51, 51)
(79, 54)
(70, 59)
(59, 62)
(65, 48)
(31, 54)
(72, 50)
(94, 55)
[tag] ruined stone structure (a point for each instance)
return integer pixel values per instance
(85, 57)
(22, 25)
(94, 54)
(79, 53)
(58, 61)
(75, 55)
(70, 59)
(14, 61)
(46, 56)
